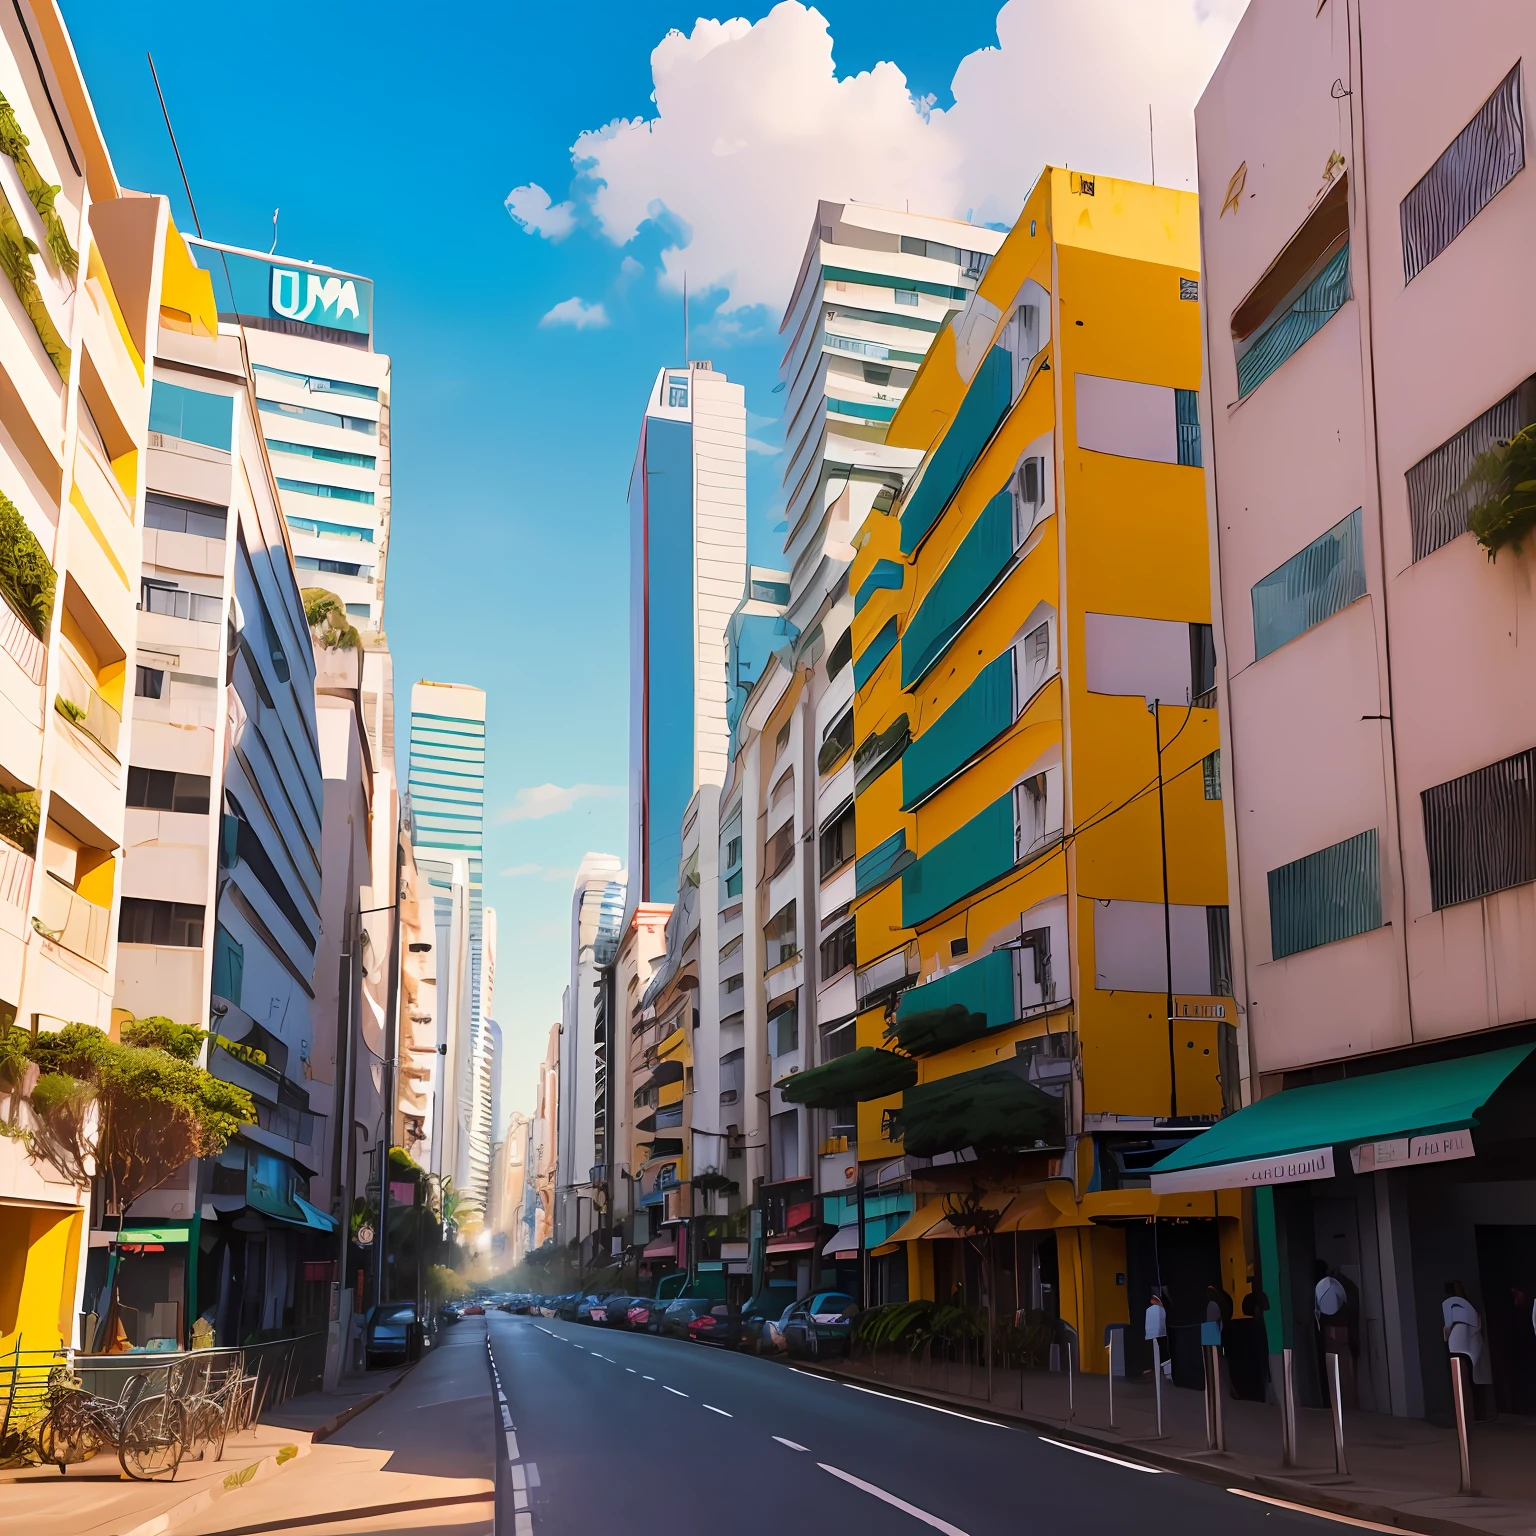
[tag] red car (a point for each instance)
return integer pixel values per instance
(474, 1309)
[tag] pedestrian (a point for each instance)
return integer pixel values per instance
(1331, 1312)
(1248, 1350)
(1463, 1332)
(1157, 1328)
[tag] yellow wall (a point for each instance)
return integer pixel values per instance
(39, 1258)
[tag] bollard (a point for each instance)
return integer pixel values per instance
(1157, 1382)
(1215, 1433)
(1287, 1386)
(1340, 1465)
(1071, 1400)
(1109, 1370)
(1459, 1394)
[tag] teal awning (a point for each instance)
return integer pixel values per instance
(956, 1007)
(314, 1217)
(1408, 1101)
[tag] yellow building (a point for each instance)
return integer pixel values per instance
(78, 317)
(1033, 620)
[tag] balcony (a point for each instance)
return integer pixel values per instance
(72, 922)
(84, 708)
(19, 643)
(15, 876)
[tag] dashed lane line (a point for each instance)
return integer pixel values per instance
(793, 1445)
(721, 1411)
(891, 1499)
(1082, 1450)
(673, 1391)
(814, 1375)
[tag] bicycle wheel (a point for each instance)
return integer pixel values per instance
(154, 1437)
(68, 1433)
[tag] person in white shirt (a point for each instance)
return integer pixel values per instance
(1463, 1333)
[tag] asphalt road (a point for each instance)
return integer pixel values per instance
(615, 1431)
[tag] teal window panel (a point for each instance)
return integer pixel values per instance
(1334, 893)
(984, 987)
(1313, 585)
(873, 654)
(986, 403)
(861, 410)
(881, 862)
(972, 572)
(193, 415)
(884, 576)
(1292, 328)
(971, 857)
(228, 958)
(978, 716)
(902, 284)
(1186, 410)
(332, 492)
(328, 455)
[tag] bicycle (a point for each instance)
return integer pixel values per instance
(147, 1432)
(211, 1414)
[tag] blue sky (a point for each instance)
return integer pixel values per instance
(390, 142)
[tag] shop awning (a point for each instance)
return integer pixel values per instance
(1037, 1211)
(1291, 1135)
(844, 1240)
(662, 1249)
(920, 1224)
(162, 1233)
(314, 1216)
(791, 1242)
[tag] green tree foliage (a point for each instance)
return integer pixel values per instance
(328, 621)
(40, 192)
(1502, 483)
(26, 576)
(19, 818)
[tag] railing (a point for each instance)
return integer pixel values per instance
(15, 875)
(67, 918)
(84, 707)
(19, 643)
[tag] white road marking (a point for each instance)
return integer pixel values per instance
(512, 1446)
(721, 1411)
(1082, 1450)
(791, 1444)
(631, 1370)
(890, 1498)
(673, 1391)
(812, 1374)
(533, 1474)
(519, 1476)
(520, 1498)
(931, 1407)
(442, 1402)
(648, 1378)
(1320, 1514)
(524, 1523)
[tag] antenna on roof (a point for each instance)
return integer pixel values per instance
(1151, 144)
(685, 317)
(275, 213)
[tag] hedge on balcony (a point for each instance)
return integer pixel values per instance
(40, 192)
(990, 1109)
(867, 1073)
(27, 579)
(19, 818)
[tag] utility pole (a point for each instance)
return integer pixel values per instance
(391, 1052)
(1162, 829)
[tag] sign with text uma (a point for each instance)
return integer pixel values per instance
(274, 289)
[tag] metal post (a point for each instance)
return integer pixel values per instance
(1463, 1446)
(1109, 1367)
(1157, 1382)
(1213, 1354)
(1340, 1465)
(1071, 1399)
(1288, 1446)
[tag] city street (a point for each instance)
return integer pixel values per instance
(661, 1434)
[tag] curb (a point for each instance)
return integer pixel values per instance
(241, 1477)
(1190, 1466)
(324, 1431)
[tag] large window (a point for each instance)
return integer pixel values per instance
(1332, 894)
(317, 385)
(835, 741)
(193, 415)
(175, 602)
(839, 951)
(1480, 831)
(1313, 585)
(177, 924)
(320, 418)
(158, 789)
(781, 936)
(325, 455)
(330, 492)
(837, 842)
(175, 514)
(784, 1030)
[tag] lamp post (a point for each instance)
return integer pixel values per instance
(1154, 708)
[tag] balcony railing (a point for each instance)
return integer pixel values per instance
(15, 875)
(84, 708)
(71, 921)
(19, 643)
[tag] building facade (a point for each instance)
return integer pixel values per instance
(1377, 781)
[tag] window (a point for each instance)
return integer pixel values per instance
(320, 418)
(167, 598)
(959, 947)
(1218, 922)
(193, 415)
(837, 842)
(334, 492)
(784, 1030)
(780, 936)
(317, 385)
(148, 683)
(327, 455)
(360, 610)
(1313, 585)
(1028, 497)
(1032, 662)
(1438, 502)
(1481, 161)
(876, 753)
(875, 374)
(677, 391)
(781, 849)
(770, 591)
(838, 951)
(1210, 772)
(1480, 831)
(733, 852)
(1031, 817)
(1202, 666)
(904, 297)
(1186, 412)
(836, 740)
(1334, 893)
(839, 1038)
(178, 924)
(780, 742)
(1035, 952)
(1304, 287)
(158, 789)
(175, 514)
(240, 844)
(324, 530)
(840, 654)
(333, 568)
(1150, 658)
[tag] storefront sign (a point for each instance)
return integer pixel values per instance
(1255, 1173)
(1199, 1008)
(271, 288)
(1442, 1147)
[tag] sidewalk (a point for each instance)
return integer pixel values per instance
(94, 1498)
(1402, 1472)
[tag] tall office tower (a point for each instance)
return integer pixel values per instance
(688, 559)
(447, 789)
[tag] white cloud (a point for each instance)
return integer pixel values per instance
(537, 801)
(531, 207)
(757, 445)
(518, 870)
(579, 313)
(751, 126)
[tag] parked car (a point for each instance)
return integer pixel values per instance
(720, 1325)
(760, 1312)
(390, 1332)
(474, 1309)
(645, 1314)
(591, 1309)
(819, 1325)
(615, 1311)
(675, 1320)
